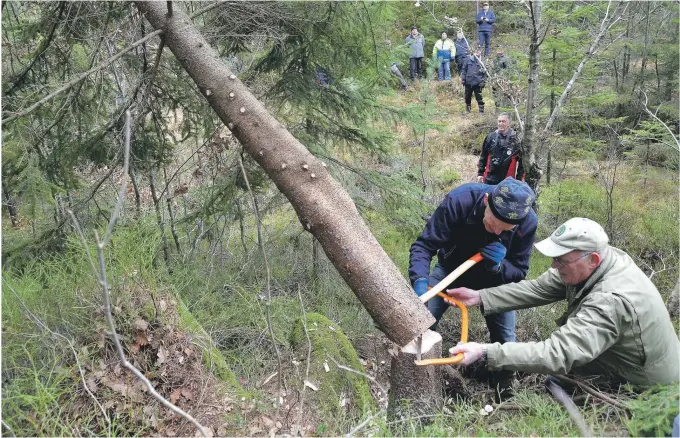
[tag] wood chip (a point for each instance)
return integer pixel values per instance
(325, 367)
(268, 379)
(311, 386)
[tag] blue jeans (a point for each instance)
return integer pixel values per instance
(445, 70)
(485, 41)
(501, 325)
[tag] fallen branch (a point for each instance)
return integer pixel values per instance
(363, 424)
(590, 390)
(654, 116)
(352, 370)
(569, 405)
(3, 421)
(103, 282)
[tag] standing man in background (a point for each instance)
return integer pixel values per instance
(485, 21)
(473, 77)
(444, 50)
(417, 43)
(461, 52)
(501, 155)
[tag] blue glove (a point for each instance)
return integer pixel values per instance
(420, 286)
(494, 253)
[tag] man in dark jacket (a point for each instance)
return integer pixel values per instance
(461, 45)
(485, 20)
(497, 221)
(473, 77)
(501, 155)
(416, 41)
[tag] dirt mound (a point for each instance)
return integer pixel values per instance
(172, 359)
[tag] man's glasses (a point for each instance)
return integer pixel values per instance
(562, 264)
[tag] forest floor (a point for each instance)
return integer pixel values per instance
(229, 307)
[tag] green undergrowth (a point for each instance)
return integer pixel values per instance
(342, 396)
(54, 328)
(531, 413)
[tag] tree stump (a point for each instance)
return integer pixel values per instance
(416, 390)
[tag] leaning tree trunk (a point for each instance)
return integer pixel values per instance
(323, 207)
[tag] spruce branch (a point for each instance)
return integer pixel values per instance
(96, 68)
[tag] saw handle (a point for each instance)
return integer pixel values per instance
(460, 270)
(458, 358)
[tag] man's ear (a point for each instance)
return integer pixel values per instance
(486, 199)
(596, 259)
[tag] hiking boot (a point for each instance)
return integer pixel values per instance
(481, 109)
(501, 383)
(468, 108)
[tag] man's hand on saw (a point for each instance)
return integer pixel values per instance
(420, 286)
(494, 253)
(472, 351)
(467, 296)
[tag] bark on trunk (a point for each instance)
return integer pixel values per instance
(530, 142)
(415, 390)
(323, 207)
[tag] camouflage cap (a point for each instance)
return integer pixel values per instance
(511, 200)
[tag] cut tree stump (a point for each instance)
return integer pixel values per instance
(416, 390)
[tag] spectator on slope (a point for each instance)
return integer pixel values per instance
(500, 66)
(473, 77)
(461, 52)
(485, 20)
(497, 221)
(501, 154)
(615, 325)
(444, 50)
(417, 43)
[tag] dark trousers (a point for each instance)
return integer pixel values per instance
(459, 63)
(416, 65)
(485, 40)
(477, 89)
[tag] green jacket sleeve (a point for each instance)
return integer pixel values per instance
(585, 336)
(546, 289)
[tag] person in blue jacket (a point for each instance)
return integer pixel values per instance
(485, 20)
(497, 221)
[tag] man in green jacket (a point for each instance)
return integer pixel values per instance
(616, 324)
